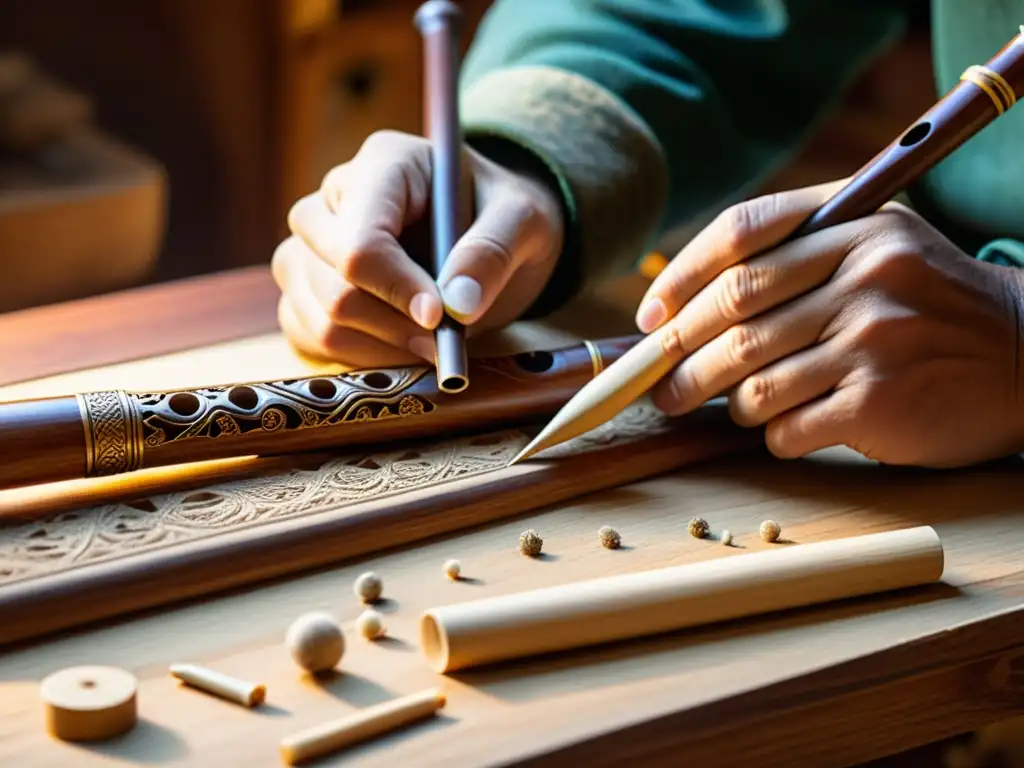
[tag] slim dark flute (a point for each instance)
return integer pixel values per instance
(112, 432)
(437, 21)
(983, 94)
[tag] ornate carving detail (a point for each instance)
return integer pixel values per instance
(120, 425)
(280, 405)
(113, 443)
(71, 540)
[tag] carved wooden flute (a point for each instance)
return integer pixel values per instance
(108, 433)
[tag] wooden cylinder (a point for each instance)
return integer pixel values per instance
(218, 684)
(96, 434)
(367, 723)
(650, 602)
(89, 703)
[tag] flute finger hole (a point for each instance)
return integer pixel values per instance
(184, 404)
(377, 380)
(535, 362)
(244, 397)
(322, 389)
(916, 134)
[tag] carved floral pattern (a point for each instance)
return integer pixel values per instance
(79, 538)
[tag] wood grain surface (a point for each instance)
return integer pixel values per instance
(140, 322)
(828, 686)
(168, 549)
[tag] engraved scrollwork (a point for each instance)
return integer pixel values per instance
(66, 541)
(113, 442)
(283, 405)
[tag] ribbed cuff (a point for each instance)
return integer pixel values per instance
(609, 166)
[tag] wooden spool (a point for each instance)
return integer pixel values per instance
(89, 703)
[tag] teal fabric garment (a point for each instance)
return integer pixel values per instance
(730, 89)
(1005, 252)
(645, 114)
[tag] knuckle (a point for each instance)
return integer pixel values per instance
(672, 342)
(882, 337)
(740, 223)
(890, 263)
(739, 287)
(737, 223)
(279, 261)
(393, 294)
(492, 250)
(358, 255)
(759, 392)
(345, 304)
(745, 344)
(382, 140)
(780, 441)
(296, 214)
(521, 207)
(333, 182)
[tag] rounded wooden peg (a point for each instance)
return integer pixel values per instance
(217, 683)
(365, 724)
(89, 703)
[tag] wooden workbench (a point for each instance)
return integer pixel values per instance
(831, 686)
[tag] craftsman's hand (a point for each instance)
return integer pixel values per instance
(879, 334)
(351, 291)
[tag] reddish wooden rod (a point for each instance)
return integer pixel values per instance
(438, 22)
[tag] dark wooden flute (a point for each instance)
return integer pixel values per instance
(983, 94)
(107, 433)
(438, 23)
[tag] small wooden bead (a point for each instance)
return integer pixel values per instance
(698, 527)
(530, 543)
(726, 538)
(453, 570)
(369, 587)
(609, 537)
(770, 531)
(89, 703)
(370, 624)
(316, 641)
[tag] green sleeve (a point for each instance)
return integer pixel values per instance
(647, 114)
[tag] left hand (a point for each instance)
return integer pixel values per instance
(878, 334)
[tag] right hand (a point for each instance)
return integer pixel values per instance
(351, 292)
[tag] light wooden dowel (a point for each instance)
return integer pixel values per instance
(344, 732)
(226, 687)
(639, 604)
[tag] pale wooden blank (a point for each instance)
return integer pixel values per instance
(627, 606)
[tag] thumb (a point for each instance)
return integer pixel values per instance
(507, 234)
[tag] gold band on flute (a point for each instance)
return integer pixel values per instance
(993, 84)
(595, 356)
(113, 432)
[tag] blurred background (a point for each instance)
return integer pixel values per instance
(149, 141)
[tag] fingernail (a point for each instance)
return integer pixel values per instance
(651, 315)
(462, 296)
(425, 309)
(422, 346)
